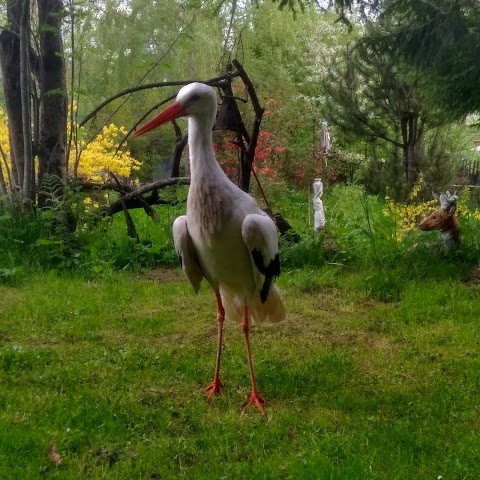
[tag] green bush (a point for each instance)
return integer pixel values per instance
(68, 234)
(358, 236)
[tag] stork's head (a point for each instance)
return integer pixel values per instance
(194, 99)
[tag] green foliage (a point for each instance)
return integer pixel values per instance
(362, 239)
(440, 41)
(306, 253)
(68, 234)
(374, 376)
(358, 235)
(163, 41)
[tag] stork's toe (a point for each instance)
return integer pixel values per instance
(255, 400)
(215, 388)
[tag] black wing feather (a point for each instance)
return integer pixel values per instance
(271, 271)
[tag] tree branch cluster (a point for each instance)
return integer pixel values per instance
(229, 118)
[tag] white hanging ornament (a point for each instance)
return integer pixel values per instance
(319, 214)
(325, 143)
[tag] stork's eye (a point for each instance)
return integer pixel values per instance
(194, 97)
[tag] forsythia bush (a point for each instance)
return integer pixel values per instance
(408, 215)
(463, 211)
(97, 158)
(4, 144)
(4, 139)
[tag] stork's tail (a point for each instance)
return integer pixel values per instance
(272, 311)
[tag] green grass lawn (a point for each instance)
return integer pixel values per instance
(112, 372)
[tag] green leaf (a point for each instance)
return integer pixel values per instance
(47, 242)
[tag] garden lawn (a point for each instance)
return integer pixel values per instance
(105, 379)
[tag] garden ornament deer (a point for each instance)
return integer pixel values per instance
(445, 220)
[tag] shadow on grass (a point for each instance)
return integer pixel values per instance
(323, 376)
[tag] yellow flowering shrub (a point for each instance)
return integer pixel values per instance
(98, 157)
(463, 211)
(4, 144)
(4, 138)
(407, 215)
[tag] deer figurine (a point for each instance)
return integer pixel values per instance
(445, 220)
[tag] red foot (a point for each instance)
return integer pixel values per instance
(256, 400)
(215, 388)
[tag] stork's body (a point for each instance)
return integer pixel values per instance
(224, 237)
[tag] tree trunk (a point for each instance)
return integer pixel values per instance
(177, 155)
(10, 65)
(3, 184)
(180, 144)
(5, 176)
(410, 139)
(28, 170)
(53, 87)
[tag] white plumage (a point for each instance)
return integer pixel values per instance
(224, 237)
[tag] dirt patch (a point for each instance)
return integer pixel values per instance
(9, 296)
(164, 275)
(107, 455)
(473, 276)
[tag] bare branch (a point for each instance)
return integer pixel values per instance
(139, 121)
(248, 83)
(159, 185)
(213, 82)
(88, 186)
(136, 199)
(252, 140)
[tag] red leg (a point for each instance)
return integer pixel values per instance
(255, 398)
(216, 386)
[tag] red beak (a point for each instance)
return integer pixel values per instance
(172, 112)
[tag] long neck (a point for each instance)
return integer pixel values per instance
(203, 163)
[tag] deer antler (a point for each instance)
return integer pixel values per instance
(447, 200)
(454, 197)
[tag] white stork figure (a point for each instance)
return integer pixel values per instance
(224, 237)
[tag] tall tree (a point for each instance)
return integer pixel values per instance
(440, 38)
(51, 77)
(28, 170)
(10, 65)
(370, 97)
(25, 65)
